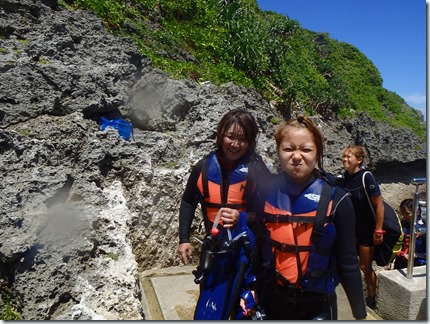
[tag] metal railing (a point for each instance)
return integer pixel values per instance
(411, 253)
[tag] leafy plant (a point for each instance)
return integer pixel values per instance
(111, 255)
(273, 120)
(170, 164)
(9, 312)
(43, 60)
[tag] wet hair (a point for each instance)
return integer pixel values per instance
(303, 122)
(356, 150)
(242, 118)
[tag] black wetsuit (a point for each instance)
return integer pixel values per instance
(365, 220)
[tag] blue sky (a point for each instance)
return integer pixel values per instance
(391, 33)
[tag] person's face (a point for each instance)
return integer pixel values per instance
(297, 153)
(350, 162)
(407, 214)
(234, 144)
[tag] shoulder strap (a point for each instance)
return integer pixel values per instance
(365, 191)
(321, 212)
(252, 174)
(205, 183)
(329, 177)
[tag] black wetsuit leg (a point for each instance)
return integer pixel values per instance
(282, 303)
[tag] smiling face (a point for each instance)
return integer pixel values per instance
(234, 144)
(350, 162)
(297, 153)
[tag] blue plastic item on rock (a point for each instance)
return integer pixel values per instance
(123, 127)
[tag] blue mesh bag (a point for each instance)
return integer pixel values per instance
(123, 127)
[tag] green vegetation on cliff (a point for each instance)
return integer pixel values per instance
(235, 41)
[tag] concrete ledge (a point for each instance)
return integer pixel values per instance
(399, 298)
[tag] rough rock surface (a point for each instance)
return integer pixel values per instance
(82, 210)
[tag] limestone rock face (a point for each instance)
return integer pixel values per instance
(82, 211)
(57, 62)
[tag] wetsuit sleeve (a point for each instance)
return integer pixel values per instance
(188, 206)
(346, 255)
(261, 254)
(262, 178)
(260, 257)
(372, 186)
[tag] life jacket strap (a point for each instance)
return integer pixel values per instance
(205, 181)
(270, 218)
(321, 218)
(232, 206)
(280, 277)
(250, 180)
(283, 247)
(320, 273)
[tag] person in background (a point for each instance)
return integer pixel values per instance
(369, 230)
(310, 244)
(401, 260)
(225, 184)
(423, 212)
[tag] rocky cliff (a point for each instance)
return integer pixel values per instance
(82, 211)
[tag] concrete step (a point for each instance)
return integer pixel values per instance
(171, 294)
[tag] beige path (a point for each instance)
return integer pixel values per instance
(171, 294)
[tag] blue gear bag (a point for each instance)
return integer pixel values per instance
(123, 127)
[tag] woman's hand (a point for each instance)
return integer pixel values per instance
(185, 252)
(229, 217)
(378, 238)
(243, 304)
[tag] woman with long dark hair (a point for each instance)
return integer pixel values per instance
(225, 184)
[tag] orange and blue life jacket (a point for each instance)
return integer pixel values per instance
(230, 249)
(211, 188)
(301, 241)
